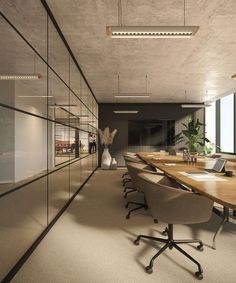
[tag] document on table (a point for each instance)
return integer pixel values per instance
(201, 176)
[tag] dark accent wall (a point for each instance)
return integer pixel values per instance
(153, 111)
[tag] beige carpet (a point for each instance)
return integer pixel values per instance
(93, 243)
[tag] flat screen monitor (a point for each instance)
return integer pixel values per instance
(151, 132)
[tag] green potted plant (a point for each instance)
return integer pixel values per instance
(209, 148)
(193, 136)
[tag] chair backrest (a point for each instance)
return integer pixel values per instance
(172, 151)
(174, 205)
(135, 168)
(128, 153)
(133, 159)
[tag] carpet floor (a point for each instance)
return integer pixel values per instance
(92, 242)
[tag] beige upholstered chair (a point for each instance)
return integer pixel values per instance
(174, 206)
(134, 169)
(128, 154)
(126, 178)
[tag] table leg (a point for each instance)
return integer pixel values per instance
(225, 218)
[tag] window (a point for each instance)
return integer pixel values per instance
(227, 123)
(210, 120)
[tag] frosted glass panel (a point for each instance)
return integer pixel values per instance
(227, 123)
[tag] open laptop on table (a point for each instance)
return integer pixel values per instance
(218, 167)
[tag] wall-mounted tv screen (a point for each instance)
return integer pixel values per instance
(151, 132)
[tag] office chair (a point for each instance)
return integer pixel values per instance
(128, 154)
(172, 151)
(134, 169)
(174, 206)
(126, 178)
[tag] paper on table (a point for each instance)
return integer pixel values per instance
(170, 164)
(202, 177)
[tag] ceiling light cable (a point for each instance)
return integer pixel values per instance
(184, 12)
(120, 19)
(121, 31)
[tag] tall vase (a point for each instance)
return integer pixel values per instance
(106, 159)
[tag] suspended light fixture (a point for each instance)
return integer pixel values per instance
(151, 31)
(121, 31)
(125, 111)
(19, 77)
(131, 95)
(195, 105)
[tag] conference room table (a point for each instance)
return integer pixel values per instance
(221, 190)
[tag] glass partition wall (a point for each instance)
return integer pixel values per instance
(44, 128)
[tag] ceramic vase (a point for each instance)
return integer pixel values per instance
(106, 159)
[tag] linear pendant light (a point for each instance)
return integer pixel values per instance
(121, 31)
(20, 77)
(131, 95)
(197, 105)
(125, 111)
(128, 95)
(151, 31)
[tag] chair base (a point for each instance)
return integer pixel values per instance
(139, 206)
(171, 243)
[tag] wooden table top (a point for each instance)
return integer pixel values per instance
(222, 192)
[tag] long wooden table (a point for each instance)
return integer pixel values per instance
(222, 192)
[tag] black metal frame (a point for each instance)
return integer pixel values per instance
(171, 243)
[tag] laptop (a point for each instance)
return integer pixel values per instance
(218, 167)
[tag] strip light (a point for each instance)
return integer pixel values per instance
(151, 31)
(200, 105)
(128, 95)
(34, 96)
(20, 77)
(125, 111)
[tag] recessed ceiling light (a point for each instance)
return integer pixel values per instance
(20, 77)
(125, 111)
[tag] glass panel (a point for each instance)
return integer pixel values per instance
(84, 146)
(62, 144)
(22, 152)
(30, 18)
(23, 216)
(58, 57)
(58, 190)
(227, 123)
(75, 177)
(28, 95)
(59, 102)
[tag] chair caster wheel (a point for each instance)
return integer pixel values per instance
(127, 217)
(199, 275)
(148, 269)
(136, 242)
(200, 248)
(165, 233)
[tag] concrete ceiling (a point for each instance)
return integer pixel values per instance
(204, 62)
